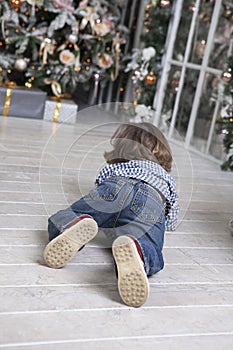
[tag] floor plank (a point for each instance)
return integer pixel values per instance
(45, 167)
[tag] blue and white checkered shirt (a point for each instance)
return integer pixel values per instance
(154, 175)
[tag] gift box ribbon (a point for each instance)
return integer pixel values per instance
(57, 111)
(7, 101)
(58, 105)
(10, 85)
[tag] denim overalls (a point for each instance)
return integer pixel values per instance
(122, 206)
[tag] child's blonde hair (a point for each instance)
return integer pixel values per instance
(139, 142)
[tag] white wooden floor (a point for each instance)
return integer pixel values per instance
(45, 167)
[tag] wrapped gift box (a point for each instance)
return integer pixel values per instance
(22, 102)
(61, 111)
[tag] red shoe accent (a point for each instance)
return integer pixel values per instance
(79, 218)
(138, 247)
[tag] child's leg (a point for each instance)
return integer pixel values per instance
(72, 228)
(69, 230)
(138, 250)
(137, 258)
(151, 244)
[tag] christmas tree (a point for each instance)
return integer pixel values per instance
(224, 125)
(56, 44)
(145, 61)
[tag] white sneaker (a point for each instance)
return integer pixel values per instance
(63, 248)
(133, 283)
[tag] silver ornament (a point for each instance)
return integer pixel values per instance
(72, 38)
(20, 64)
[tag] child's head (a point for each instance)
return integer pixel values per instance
(142, 141)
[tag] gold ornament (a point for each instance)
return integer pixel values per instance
(150, 79)
(47, 47)
(227, 75)
(15, 4)
(165, 4)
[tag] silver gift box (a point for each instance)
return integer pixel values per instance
(66, 112)
(24, 102)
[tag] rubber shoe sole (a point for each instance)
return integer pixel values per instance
(63, 248)
(133, 283)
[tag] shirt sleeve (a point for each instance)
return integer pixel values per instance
(172, 211)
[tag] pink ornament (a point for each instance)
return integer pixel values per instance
(226, 76)
(165, 4)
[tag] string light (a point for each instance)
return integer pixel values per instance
(28, 84)
(149, 6)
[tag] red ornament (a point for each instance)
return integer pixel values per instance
(150, 79)
(15, 4)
